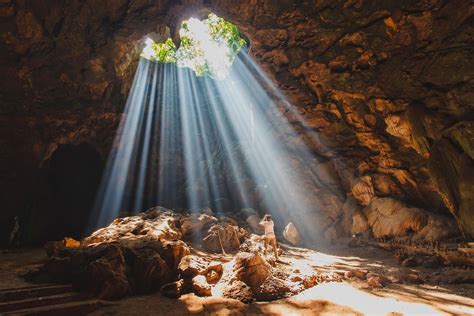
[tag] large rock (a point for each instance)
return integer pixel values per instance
(251, 268)
(190, 266)
(452, 170)
(194, 224)
(359, 223)
(271, 289)
(147, 269)
(200, 286)
(291, 234)
(156, 223)
(222, 237)
(392, 218)
(439, 227)
(254, 223)
(238, 290)
(363, 190)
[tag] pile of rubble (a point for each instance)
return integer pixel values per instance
(174, 253)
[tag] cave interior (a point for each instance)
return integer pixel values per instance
(142, 142)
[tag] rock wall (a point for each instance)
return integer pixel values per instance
(384, 89)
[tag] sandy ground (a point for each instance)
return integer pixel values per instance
(349, 297)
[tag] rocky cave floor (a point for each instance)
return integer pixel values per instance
(160, 262)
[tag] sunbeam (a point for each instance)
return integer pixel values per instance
(193, 140)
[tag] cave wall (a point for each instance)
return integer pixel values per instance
(384, 88)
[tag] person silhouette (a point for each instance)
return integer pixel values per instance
(269, 237)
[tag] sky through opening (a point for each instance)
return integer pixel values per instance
(208, 47)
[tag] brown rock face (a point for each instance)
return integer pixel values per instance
(452, 169)
(222, 237)
(390, 217)
(383, 89)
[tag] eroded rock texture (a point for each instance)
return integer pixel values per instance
(384, 89)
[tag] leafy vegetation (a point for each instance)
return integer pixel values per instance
(209, 47)
(161, 52)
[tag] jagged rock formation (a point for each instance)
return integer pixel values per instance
(148, 252)
(384, 90)
(144, 253)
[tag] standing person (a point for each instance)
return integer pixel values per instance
(269, 237)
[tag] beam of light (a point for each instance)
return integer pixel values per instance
(112, 192)
(148, 51)
(190, 141)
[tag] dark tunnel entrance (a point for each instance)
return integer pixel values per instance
(73, 177)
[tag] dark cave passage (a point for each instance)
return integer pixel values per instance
(73, 176)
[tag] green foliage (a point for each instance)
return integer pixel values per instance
(195, 35)
(225, 32)
(163, 52)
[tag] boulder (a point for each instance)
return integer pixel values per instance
(148, 270)
(363, 190)
(392, 218)
(238, 290)
(222, 237)
(291, 234)
(104, 276)
(378, 281)
(359, 223)
(195, 224)
(214, 272)
(173, 289)
(156, 223)
(200, 286)
(253, 222)
(190, 266)
(271, 289)
(251, 268)
(439, 227)
(451, 168)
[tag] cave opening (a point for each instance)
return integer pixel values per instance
(73, 175)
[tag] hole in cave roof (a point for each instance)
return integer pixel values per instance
(207, 46)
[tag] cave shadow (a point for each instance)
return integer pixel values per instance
(70, 177)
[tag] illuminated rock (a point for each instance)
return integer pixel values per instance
(222, 237)
(390, 217)
(200, 286)
(291, 234)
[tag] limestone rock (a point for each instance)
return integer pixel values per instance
(148, 270)
(238, 290)
(271, 289)
(349, 207)
(222, 237)
(156, 223)
(390, 217)
(253, 221)
(190, 266)
(439, 227)
(291, 234)
(378, 281)
(173, 289)
(195, 224)
(103, 272)
(200, 286)
(214, 272)
(453, 173)
(359, 223)
(250, 268)
(363, 190)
